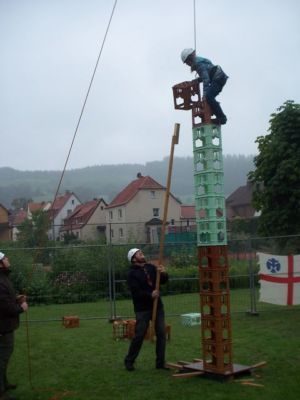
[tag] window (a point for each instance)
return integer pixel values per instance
(73, 201)
(111, 215)
(120, 213)
(155, 212)
(152, 194)
(112, 233)
(121, 232)
(69, 212)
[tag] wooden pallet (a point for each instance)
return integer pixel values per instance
(186, 369)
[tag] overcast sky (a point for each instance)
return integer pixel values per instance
(48, 53)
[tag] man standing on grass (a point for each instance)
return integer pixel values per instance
(10, 309)
(141, 281)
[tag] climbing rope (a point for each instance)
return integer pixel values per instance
(195, 41)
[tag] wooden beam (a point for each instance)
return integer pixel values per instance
(259, 365)
(188, 374)
(252, 384)
(173, 365)
(175, 140)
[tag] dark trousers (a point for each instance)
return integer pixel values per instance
(6, 350)
(214, 89)
(142, 322)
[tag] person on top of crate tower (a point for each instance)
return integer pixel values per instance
(213, 78)
(11, 306)
(141, 280)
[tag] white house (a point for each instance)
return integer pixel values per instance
(136, 213)
(62, 207)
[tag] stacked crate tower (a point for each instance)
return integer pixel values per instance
(211, 231)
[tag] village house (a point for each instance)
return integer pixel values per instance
(136, 213)
(187, 218)
(33, 207)
(16, 218)
(184, 229)
(238, 203)
(86, 222)
(62, 207)
(5, 231)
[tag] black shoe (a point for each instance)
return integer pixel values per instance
(164, 367)
(129, 367)
(10, 386)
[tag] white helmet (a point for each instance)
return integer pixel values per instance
(2, 255)
(186, 53)
(131, 253)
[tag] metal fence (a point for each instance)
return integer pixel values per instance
(93, 277)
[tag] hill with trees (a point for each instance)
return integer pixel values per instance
(107, 180)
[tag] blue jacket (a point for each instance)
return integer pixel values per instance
(207, 71)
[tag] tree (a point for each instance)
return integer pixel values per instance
(33, 232)
(276, 176)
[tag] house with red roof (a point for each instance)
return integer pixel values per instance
(16, 218)
(62, 207)
(184, 229)
(136, 213)
(33, 207)
(188, 213)
(239, 203)
(86, 222)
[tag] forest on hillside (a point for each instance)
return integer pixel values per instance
(107, 180)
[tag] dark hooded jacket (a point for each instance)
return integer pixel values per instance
(141, 282)
(9, 307)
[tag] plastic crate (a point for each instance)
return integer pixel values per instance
(191, 319)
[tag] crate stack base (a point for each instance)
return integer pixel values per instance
(215, 309)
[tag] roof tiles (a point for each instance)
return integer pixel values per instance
(143, 182)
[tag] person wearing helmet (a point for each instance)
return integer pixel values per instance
(141, 281)
(213, 78)
(11, 307)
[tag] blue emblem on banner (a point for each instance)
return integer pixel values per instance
(273, 265)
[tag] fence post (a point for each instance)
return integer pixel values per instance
(113, 276)
(253, 310)
(111, 285)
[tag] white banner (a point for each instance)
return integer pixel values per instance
(279, 279)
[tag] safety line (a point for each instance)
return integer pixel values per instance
(195, 42)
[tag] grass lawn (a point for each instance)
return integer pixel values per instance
(86, 363)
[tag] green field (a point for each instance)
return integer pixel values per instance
(86, 363)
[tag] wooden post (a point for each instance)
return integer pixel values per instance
(175, 140)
